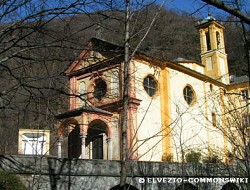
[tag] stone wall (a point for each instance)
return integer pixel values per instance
(58, 174)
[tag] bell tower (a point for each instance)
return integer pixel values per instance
(213, 55)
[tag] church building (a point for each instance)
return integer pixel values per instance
(174, 107)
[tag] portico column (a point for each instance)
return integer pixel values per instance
(109, 145)
(59, 147)
(83, 137)
(90, 150)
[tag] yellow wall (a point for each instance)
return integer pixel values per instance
(149, 118)
(219, 67)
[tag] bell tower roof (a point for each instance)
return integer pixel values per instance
(208, 21)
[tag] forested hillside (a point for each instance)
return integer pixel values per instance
(172, 34)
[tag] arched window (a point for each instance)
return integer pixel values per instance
(82, 92)
(208, 41)
(115, 83)
(150, 85)
(100, 89)
(189, 95)
(218, 40)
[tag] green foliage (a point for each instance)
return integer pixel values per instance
(167, 157)
(212, 159)
(193, 156)
(10, 181)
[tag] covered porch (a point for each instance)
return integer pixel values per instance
(85, 133)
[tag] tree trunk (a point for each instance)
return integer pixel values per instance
(125, 101)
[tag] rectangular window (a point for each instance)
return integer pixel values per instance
(244, 94)
(209, 63)
(33, 142)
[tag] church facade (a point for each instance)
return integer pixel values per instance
(174, 107)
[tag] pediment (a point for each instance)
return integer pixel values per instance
(95, 52)
(86, 59)
(92, 58)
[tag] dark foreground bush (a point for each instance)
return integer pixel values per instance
(10, 181)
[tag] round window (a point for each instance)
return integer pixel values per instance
(188, 94)
(100, 89)
(150, 85)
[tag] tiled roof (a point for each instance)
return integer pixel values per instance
(236, 80)
(79, 111)
(182, 60)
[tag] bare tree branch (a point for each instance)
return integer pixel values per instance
(233, 11)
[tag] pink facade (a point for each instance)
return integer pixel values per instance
(89, 124)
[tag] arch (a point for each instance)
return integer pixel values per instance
(186, 186)
(96, 141)
(128, 187)
(230, 186)
(70, 128)
(63, 130)
(106, 127)
(98, 126)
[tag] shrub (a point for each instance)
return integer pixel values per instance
(212, 159)
(9, 181)
(193, 156)
(167, 157)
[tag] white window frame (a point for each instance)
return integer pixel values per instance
(37, 142)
